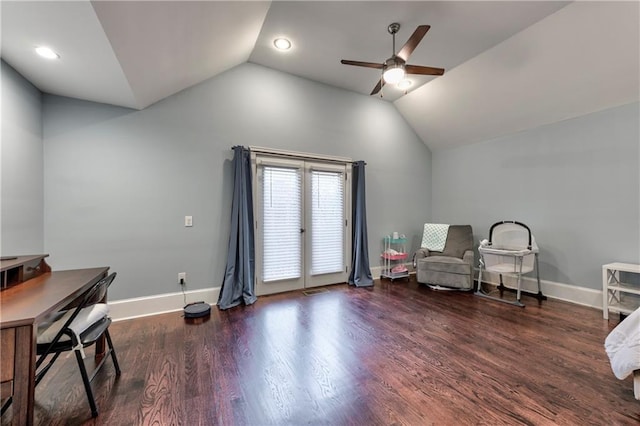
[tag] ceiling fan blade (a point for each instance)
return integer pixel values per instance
(417, 69)
(413, 41)
(362, 64)
(378, 87)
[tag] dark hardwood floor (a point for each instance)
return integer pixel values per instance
(396, 354)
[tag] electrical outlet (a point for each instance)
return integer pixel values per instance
(182, 278)
(188, 221)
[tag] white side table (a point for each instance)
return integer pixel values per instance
(613, 289)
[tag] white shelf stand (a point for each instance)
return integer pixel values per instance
(394, 256)
(613, 290)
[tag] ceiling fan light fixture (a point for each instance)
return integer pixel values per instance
(282, 43)
(46, 52)
(395, 69)
(405, 84)
(394, 74)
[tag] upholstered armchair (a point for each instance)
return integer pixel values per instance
(453, 266)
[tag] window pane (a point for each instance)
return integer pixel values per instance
(327, 216)
(282, 222)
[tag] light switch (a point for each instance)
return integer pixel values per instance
(188, 221)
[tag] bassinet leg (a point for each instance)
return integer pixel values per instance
(539, 296)
(479, 292)
(519, 280)
(501, 287)
(636, 384)
(479, 289)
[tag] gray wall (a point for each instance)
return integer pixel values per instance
(22, 227)
(119, 182)
(575, 183)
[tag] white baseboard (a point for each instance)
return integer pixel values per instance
(560, 291)
(173, 302)
(566, 292)
(376, 271)
(159, 304)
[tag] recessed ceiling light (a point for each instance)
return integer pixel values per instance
(46, 52)
(405, 84)
(282, 43)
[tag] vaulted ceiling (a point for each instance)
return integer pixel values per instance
(510, 65)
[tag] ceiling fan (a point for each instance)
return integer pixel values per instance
(395, 68)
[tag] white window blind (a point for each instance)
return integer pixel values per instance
(327, 222)
(282, 220)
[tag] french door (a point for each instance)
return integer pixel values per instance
(302, 226)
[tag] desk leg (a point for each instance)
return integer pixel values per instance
(24, 384)
(100, 348)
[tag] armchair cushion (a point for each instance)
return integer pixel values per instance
(459, 240)
(450, 265)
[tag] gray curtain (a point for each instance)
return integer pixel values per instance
(360, 271)
(238, 285)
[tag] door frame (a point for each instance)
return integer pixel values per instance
(262, 156)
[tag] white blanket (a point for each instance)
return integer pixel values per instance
(623, 346)
(434, 236)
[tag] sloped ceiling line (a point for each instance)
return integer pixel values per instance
(165, 47)
(583, 58)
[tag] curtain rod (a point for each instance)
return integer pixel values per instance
(304, 155)
(294, 154)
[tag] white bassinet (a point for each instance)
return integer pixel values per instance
(510, 250)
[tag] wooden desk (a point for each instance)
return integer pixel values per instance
(17, 269)
(22, 307)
